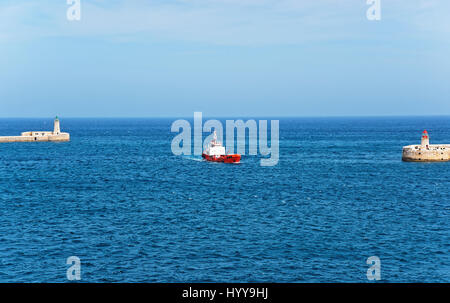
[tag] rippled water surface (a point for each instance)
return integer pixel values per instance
(116, 197)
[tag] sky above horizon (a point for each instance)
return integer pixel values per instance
(230, 58)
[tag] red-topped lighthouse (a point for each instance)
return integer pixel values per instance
(425, 139)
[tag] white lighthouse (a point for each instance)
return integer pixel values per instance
(33, 136)
(56, 128)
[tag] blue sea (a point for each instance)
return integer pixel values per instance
(116, 197)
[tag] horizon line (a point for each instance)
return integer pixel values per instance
(230, 117)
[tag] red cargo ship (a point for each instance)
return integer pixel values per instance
(215, 152)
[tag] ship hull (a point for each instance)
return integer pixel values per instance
(223, 158)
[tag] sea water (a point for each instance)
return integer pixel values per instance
(116, 197)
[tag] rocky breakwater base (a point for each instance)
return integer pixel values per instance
(39, 136)
(425, 152)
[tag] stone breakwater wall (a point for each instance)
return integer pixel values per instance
(42, 138)
(430, 153)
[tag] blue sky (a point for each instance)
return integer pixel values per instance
(224, 57)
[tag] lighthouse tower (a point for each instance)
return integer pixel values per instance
(56, 129)
(425, 139)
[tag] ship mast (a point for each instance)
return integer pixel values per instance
(215, 138)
